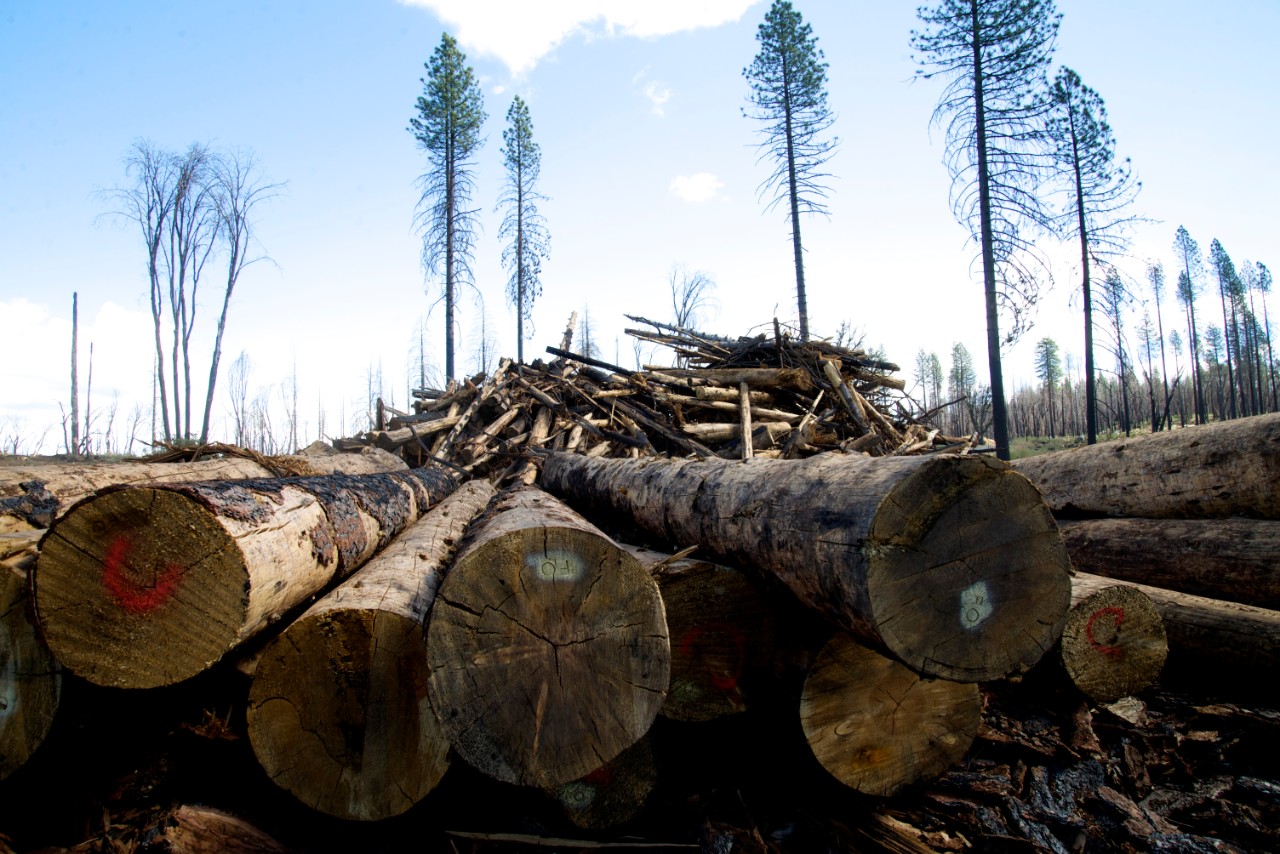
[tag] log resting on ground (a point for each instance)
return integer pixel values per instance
(878, 726)
(547, 645)
(1230, 468)
(1114, 643)
(1232, 559)
(143, 586)
(338, 713)
(33, 496)
(30, 678)
(952, 564)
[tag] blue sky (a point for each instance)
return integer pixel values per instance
(647, 160)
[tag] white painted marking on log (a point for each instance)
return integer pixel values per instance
(975, 605)
(556, 566)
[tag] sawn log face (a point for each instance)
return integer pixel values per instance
(951, 564)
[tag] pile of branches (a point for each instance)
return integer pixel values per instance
(767, 395)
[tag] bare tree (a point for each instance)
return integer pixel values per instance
(238, 388)
(73, 444)
(690, 295)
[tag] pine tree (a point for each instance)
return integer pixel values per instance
(1155, 275)
(995, 55)
(1189, 255)
(1225, 271)
(1049, 370)
(1099, 190)
(522, 224)
(447, 127)
(788, 81)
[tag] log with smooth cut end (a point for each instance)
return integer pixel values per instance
(878, 726)
(143, 586)
(547, 644)
(1210, 471)
(30, 678)
(951, 564)
(722, 632)
(33, 496)
(1114, 643)
(338, 712)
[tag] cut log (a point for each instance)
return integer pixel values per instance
(338, 712)
(952, 564)
(722, 634)
(547, 644)
(33, 496)
(143, 586)
(792, 378)
(30, 678)
(613, 793)
(878, 726)
(1231, 559)
(1114, 643)
(203, 830)
(1229, 468)
(1215, 637)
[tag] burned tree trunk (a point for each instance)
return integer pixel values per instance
(148, 585)
(1231, 559)
(34, 496)
(1114, 642)
(877, 726)
(338, 713)
(1211, 471)
(547, 645)
(952, 564)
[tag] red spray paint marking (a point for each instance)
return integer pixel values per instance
(1116, 613)
(727, 679)
(129, 594)
(602, 777)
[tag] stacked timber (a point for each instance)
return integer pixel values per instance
(1189, 517)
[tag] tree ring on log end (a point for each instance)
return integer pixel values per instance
(967, 572)
(338, 714)
(1114, 643)
(139, 588)
(878, 726)
(548, 652)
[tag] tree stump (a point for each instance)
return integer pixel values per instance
(547, 645)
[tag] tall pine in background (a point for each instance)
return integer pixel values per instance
(447, 127)
(994, 55)
(522, 224)
(1099, 191)
(788, 80)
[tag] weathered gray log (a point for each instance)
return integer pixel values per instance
(141, 586)
(951, 564)
(1232, 559)
(338, 712)
(547, 645)
(33, 496)
(1229, 468)
(1114, 643)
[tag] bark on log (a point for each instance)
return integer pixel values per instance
(792, 378)
(1217, 638)
(148, 585)
(1114, 643)
(30, 678)
(547, 645)
(1231, 559)
(1230, 468)
(878, 726)
(33, 496)
(951, 564)
(203, 830)
(338, 712)
(722, 634)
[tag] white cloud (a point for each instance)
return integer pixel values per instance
(520, 32)
(702, 187)
(658, 95)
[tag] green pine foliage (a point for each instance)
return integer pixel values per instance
(522, 224)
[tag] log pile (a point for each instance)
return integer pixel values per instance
(706, 633)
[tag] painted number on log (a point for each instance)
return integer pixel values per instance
(1116, 614)
(556, 566)
(126, 591)
(975, 605)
